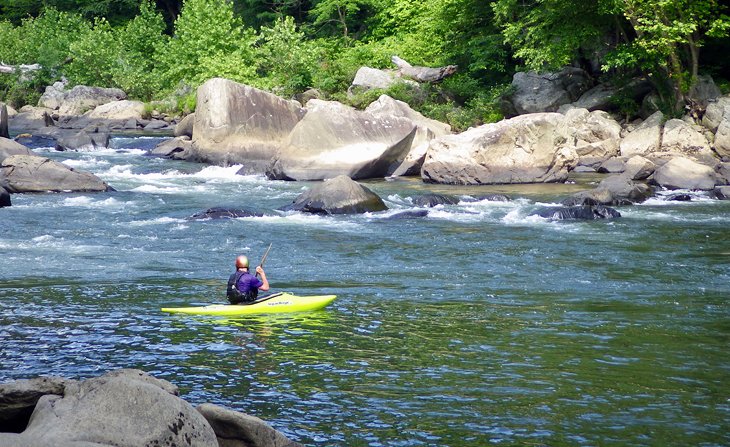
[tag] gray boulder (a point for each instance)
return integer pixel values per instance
(526, 149)
(185, 126)
(595, 135)
(639, 168)
(614, 190)
(546, 92)
(19, 398)
(333, 139)
(368, 78)
(178, 148)
(81, 99)
(431, 200)
(10, 147)
(340, 195)
(682, 138)
(4, 198)
(722, 138)
(83, 140)
(4, 129)
(121, 111)
(224, 213)
(31, 173)
(238, 124)
(127, 408)
(722, 192)
(704, 90)
(645, 139)
(234, 429)
(715, 112)
(683, 173)
(613, 165)
(602, 96)
(426, 130)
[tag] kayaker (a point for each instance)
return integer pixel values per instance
(243, 287)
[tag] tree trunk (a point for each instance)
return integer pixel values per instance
(423, 74)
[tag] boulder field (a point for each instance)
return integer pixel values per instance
(122, 408)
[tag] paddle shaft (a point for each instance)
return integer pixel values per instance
(263, 259)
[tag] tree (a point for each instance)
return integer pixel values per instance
(339, 12)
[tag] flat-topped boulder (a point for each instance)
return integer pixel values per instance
(32, 173)
(684, 173)
(10, 147)
(334, 139)
(238, 124)
(530, 148)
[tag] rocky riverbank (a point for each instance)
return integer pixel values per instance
(286, 140)
(121, 408)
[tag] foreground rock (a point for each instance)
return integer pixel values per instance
(123, 408)
(586, 212)
(236, 429)
(613, 190)
(340, 195)
(238, 124)
(31, 173)
(333, 139)
(526, 149)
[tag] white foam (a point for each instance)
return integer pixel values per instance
(90, 202)
(158, 221)
(88, 164)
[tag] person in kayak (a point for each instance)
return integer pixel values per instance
(243, 287)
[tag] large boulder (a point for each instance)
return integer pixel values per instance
(526, 149)
(185, 126)
(645, 139)
(178, 148)
(715, 112)
(722, 138)
(123, 110)
(126, 408)
(368, 78)
(546, 92)
(602, 96)
(10, 147)
(340, 195)
(682, 138)
(235, 429)
(19, 398)
(613, 191)
(31, 173)
(82, 98)
(683, 173)
(83, 140)
(334, 139)
(426, 130)
(595, 135)
(4, 127)
(238, 124)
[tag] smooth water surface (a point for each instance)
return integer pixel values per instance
(476, 325)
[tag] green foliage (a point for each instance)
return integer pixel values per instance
(286, 59)
(209, 41)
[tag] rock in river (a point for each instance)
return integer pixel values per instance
(340, 195)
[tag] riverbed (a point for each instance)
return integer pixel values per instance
(476, 325)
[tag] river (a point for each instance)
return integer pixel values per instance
(476, 325)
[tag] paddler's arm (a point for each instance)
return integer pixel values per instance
(265, 286)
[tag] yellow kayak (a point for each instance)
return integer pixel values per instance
(276, 303)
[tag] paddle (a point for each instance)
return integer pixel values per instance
(263, 259)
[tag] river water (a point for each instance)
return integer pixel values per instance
(476, 325)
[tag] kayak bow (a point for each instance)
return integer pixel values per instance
(276, 303)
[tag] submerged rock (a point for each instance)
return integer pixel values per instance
(431, 200)
(224, 213)
(340, 195)
(586, 212)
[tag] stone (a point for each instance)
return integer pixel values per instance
(333, 139)
(19, 398)
(126, 408)
(238, 124)
(683, 173)
(178, 148)
(682, 138)
(81, 99)
(530, 148)
(224, 213)
(426, 130)
(4, 199)
(31, 173)
(431, 200)
(123, 110)
(9, 147)
(340, 195)
(645, 139)
(585, 212)
(234, 429)
(185, 126)
(546, 92)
